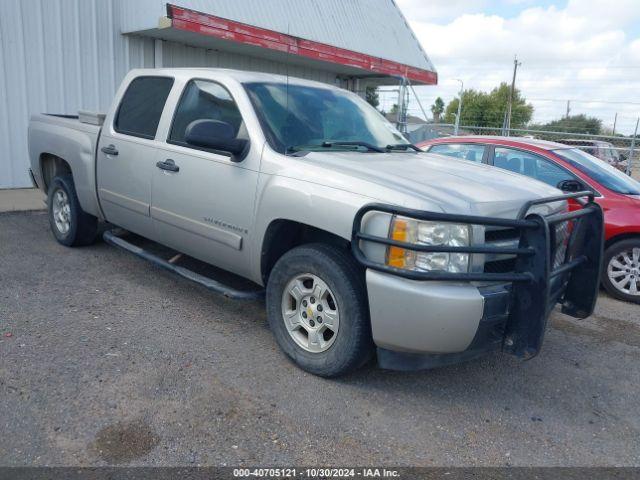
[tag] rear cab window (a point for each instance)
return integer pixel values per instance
(465, 151)
(141, 106)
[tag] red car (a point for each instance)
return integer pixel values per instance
(569, 169)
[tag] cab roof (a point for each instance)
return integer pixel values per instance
(242, 76)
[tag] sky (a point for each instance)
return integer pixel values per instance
(586, 51)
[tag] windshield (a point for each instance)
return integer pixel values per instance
(600, 171)
(609, 153)
(300, 117)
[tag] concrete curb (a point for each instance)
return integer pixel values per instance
(21, 199)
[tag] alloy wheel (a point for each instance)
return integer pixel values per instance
(623, 271)
(310, 313)
(61, 211)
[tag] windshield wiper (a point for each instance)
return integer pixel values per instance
(368, 146)
(403, 146)
(336, 144)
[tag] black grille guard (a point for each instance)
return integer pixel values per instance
(575, 282)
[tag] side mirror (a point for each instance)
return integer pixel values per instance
(570, 186)
(216, 135)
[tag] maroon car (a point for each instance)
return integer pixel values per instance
(569, 169)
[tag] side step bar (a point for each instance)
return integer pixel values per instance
(112, 238)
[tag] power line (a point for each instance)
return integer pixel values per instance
(564, 100)
(612, 102)
(553, 66)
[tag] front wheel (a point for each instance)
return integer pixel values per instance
(71, 226)
(621, 275)
(317, 309)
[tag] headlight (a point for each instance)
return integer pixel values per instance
(408, 230)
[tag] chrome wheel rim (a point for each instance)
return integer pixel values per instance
(623, 271)
(310, 313)
(61, 211)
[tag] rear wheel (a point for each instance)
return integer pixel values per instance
(71, 226)
(621, 276)
(317, 309)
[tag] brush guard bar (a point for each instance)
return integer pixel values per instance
(536, 285)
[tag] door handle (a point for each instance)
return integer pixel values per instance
(168, 165)
(109, 150)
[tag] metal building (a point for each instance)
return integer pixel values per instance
(61, 56)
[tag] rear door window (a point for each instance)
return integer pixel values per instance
(465, 151)
(531, 165)
(141, 106)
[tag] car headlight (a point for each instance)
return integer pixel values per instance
(419, 232)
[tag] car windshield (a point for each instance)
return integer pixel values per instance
(609, 153)
(300, 117)
(600, 171)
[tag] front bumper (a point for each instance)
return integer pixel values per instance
(452, 318)
(483, 335)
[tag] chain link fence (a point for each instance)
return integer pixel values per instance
(621, 152)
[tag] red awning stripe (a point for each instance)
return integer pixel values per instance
(210, 25)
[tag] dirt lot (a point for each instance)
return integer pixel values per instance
(105, 359)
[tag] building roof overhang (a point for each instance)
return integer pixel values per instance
(209, 31)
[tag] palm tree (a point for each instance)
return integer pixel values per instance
(437, 108)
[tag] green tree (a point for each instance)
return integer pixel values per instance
(371, 95)
(573, 124)
(483, 109)
(394, 109)
(437, 108)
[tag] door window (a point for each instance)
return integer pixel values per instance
(531, 165)
(466, 151)
(205, 100)
(141, 106)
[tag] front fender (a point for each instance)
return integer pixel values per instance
(621, 222)
(322, 207)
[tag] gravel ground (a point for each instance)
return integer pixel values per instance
(106, 359)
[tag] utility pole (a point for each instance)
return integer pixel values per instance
(455, 130)
(615, 121)
(568, 109)
(405, 105)
(401, 114)
(633, 147)
(516, 64)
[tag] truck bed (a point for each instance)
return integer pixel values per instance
(72, 140)
(67, 121)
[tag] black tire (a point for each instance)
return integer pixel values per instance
(353, 345)
(82, 226)
(615, 250)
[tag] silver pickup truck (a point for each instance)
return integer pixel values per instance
(364, 244)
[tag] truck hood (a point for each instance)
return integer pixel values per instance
(456, 186)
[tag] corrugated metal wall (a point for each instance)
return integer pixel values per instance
(179, 55)
(58, 56)
(61, 56)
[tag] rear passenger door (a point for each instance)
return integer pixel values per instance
(531, 165)
(126, 154)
